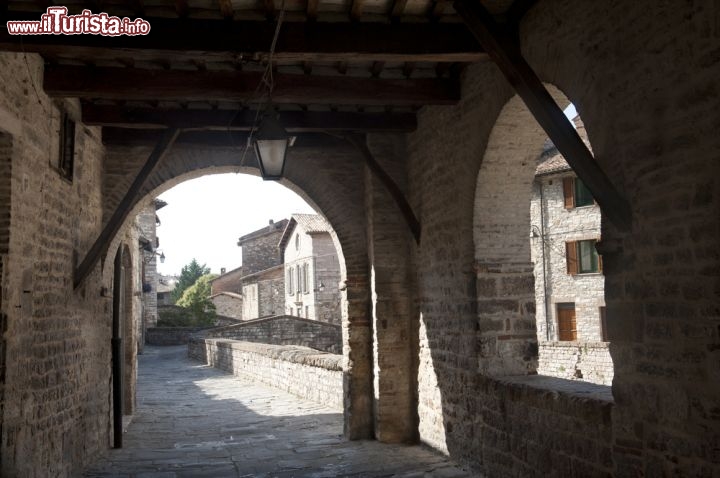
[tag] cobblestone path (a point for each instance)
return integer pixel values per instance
(196, 421)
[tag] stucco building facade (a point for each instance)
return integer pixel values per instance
(311, 269)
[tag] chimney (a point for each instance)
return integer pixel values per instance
(222, 270)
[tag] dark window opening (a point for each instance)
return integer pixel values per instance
(66, 164)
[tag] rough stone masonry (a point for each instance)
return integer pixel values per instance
(425, 356)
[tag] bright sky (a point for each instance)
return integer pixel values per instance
(205, 217)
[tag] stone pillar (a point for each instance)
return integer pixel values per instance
(394, 336)
(506, 318)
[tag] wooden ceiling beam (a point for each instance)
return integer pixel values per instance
(226, 9)
(182, 9)
(312, 9)
(244, 120)
(119, 137)
(505, 52)
(397, 10)
(222, 40)
(356, 9)
(241, 86)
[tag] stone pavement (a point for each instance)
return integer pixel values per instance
(196, 421)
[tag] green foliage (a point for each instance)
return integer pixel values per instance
(174, 316)
(188, 276)
(196, 299)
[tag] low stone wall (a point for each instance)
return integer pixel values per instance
(304, 372)
(589, 361)
(169, 335)
(559, 427)
(284, 330)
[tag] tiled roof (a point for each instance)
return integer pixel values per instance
(272, 227)
(312, 223)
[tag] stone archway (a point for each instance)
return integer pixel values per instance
(327, 179)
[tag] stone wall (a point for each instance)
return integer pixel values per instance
(145, 222)
(284, 330)
(228, 282)
(228, 304)
(589, 361)
(170, 335)
(304, 372)
(260, 248)
(55, 414)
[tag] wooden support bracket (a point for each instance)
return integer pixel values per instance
(102, 243)
(505, 52)
(360, 142)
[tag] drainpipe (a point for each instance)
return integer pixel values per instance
(116, 343)
(542, 241)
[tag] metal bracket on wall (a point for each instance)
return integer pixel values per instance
(504, 50)
(360, 142)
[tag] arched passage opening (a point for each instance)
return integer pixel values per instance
(333, 193)
(541, 297)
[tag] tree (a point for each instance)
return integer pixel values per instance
(196, 299)
(188, 276)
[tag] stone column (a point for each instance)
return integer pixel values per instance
(394, 335)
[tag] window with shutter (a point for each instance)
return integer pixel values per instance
(582, 257)
(569, 192)
(571, 257)
(583, 197)
(567, 325)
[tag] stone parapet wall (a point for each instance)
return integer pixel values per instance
(561, 428)
(589, 361)
(170, 335)
(304, 372)
(284, 330)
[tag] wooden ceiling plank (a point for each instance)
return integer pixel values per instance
(505, 52)
(243, 120)
(180, 85)
(220, 40)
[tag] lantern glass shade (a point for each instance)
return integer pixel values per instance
(271, 145)
(162, 258)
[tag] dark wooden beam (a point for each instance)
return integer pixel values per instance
(312, 9)
(356, 9)
(360, 142)
(222, 40)
(182, 9)
(269, 9)
(518, 10)
(245, 120)
(123, 137)
(504, 50)
(100, 247)
(226, 9)
(180, 85)
(398, 8)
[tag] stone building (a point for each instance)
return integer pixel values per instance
(569, 285)
(260, 248)
(147, 222)
(311, 268)
(428, 204)
(229, 281)
(263, 293)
